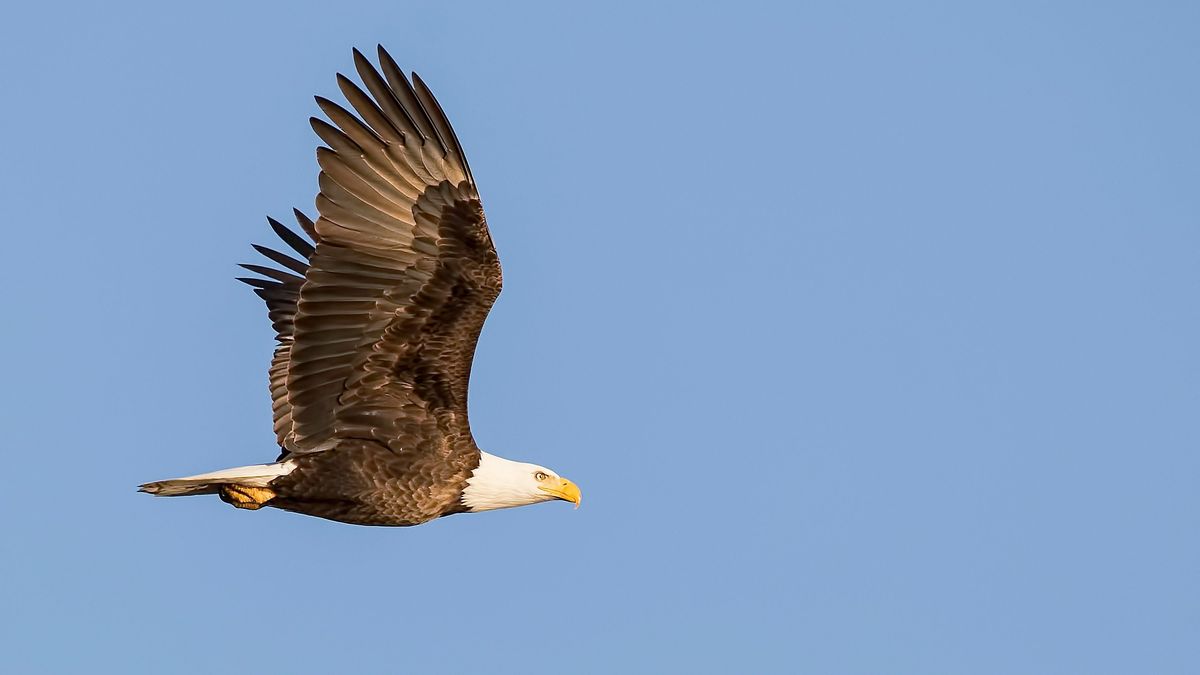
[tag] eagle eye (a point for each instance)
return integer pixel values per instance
(540, 476)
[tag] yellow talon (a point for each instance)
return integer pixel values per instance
(246, 497)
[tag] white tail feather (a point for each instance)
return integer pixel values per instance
(255, 475)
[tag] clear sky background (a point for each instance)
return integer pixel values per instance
(869, 330)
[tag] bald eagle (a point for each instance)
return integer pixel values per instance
(376, 327)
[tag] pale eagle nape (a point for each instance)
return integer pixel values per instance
(376, 323)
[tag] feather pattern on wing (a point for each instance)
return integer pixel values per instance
(377, 336)
(281, 291)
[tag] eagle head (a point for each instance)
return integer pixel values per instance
(499, 483)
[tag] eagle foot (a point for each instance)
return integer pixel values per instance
(246, 497)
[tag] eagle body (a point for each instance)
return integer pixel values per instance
(376, 324)
(366, 483)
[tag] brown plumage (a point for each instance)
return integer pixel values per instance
(377, 321)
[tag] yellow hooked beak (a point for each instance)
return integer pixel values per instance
(563, 489)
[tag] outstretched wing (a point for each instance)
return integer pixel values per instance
(281, 290)
(402, 277)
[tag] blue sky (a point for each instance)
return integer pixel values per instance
(869, 331)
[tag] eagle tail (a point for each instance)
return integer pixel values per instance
(254, 476)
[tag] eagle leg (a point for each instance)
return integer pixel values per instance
(246, 497)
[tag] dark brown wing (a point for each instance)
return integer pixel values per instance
(401, 280)
(281, 291)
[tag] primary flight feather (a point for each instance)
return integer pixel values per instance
(376, 323)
